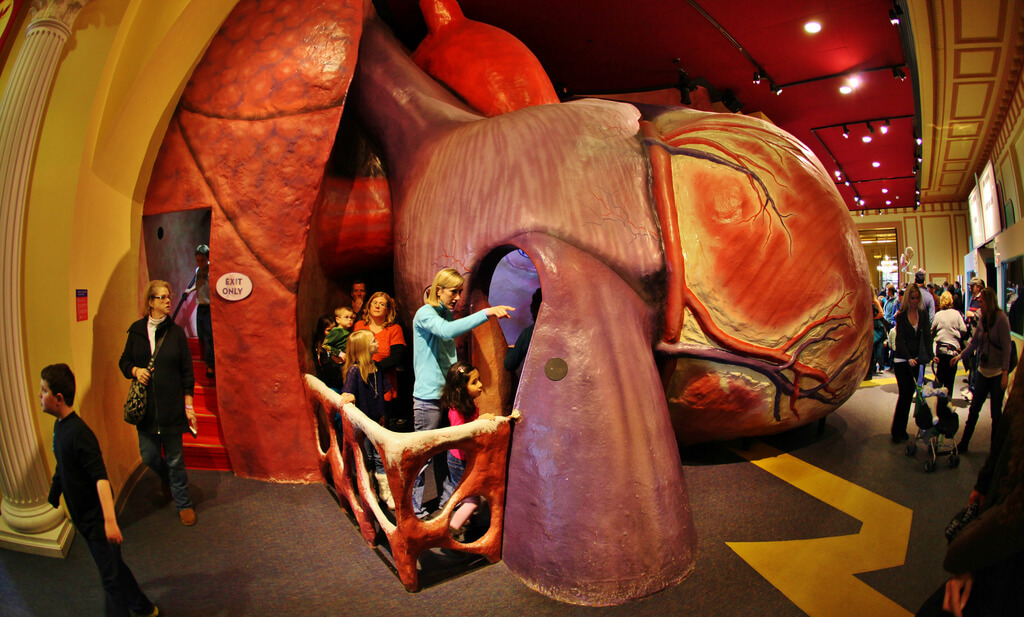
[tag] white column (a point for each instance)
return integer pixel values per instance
(28, 523)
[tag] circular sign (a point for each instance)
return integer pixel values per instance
(556, 369)
(234, 286)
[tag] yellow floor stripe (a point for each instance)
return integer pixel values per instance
(818, 574)
(882, 381)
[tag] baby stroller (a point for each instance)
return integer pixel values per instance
(934, 430)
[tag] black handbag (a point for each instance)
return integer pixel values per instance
(135, 406)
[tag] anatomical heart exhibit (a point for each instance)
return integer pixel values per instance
(702, 279)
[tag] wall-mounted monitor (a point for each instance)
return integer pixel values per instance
(990, 207)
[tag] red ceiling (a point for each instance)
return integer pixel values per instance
(603, 46)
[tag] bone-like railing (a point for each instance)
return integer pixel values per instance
(484, 441)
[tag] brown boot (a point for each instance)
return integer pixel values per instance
(187, 516)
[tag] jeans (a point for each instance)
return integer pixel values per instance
(120, 590)
(456, 467)
(983, 388)
(204, 328)
(946, 373)
(906, 382)
(170, 465)
(373, 462)
(426, 415)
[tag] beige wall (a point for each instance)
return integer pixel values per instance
(937, 233)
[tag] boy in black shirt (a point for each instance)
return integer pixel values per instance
(82, 477)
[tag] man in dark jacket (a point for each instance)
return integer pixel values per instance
(81, 477)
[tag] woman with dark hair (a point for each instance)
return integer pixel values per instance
(170, 386)
(913, 349)
(992, 339)
(986, 559)
(327, 369)
(380, 317)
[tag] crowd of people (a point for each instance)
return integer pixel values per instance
(365, 362)
(359, 349)
(929, 324)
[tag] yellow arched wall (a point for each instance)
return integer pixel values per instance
(117, 83)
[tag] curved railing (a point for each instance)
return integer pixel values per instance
(484, 441)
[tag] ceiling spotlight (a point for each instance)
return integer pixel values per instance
(812, 27)
(894, 18)
(879, 212)
(775, 89)
(847, 183)
(845, 89)
(871, 129)
(866, 139)
(876, 164)
(846, 132)
(885, 127)
(838, 173)
(888, 202)
(757, 77)
(919, 141)
(898, 73)
(885, 190)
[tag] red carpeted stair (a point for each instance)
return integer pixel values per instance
(208, 450)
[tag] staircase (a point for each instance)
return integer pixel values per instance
(208, 450)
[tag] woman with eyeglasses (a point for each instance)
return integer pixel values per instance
(380, 317)
(434, 330)
(170, 386)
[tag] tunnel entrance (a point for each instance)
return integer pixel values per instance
(507, 276)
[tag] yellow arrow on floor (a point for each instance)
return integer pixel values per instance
(818, 574)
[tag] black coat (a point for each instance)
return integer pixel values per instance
(172, 375)
(911, 345)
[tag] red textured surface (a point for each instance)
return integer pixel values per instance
(257, 122)
(176, 183)
(354, 227)
(276, 57)
(488, 67)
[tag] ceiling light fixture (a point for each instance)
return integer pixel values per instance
(866, 139)
(894, 17)
(871, 129)
(847, 183)
(897, 73)
(888, 203)
(845, 89)
(846, 131)
(812, 27)
(885, 127)
(879, 212)
(885, 190)
(920, 141)
(775, 89)
(757, 76)
(876, 164)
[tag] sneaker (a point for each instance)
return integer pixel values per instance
(187, 516)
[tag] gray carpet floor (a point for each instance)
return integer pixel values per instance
(265, 549)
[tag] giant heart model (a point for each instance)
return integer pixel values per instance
(702, 279)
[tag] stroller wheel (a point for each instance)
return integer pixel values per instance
(911, 449)
(953, 460)
(929, 466)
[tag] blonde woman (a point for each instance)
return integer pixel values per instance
(948, 332)
(434, 329)
(379, 317)
(171, 384)
(913, 350)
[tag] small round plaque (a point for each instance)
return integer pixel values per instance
(556, 369)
